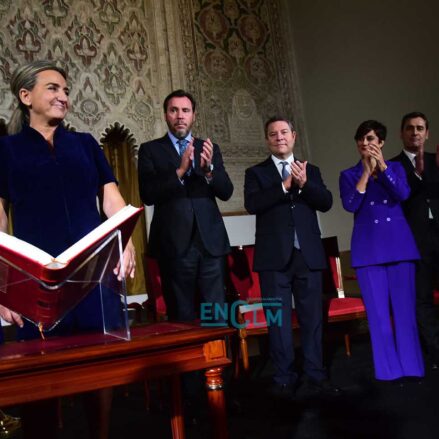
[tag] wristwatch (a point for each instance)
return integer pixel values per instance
(208, 169)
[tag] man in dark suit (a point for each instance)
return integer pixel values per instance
(422, 212)
(285, 194)
(181, 176)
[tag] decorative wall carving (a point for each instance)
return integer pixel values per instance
(237, 65)
(124, 56)
(104, 46)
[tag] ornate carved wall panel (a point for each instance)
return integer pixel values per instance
(107, 47)
(238, 63)
(124, 56)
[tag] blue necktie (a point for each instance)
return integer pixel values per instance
(182, 145)
(285, 172)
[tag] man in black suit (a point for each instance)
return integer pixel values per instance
(422, 212)
(285, 194)
(181, 176)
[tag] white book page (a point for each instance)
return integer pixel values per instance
(97, 233)
(24, 248)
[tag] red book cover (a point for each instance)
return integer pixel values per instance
(43, 288)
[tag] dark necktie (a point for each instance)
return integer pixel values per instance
(284, 172)
(182, 145)
(419, 163)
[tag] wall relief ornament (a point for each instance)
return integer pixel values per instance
(57, 10)
(142, 113)
(218, 65)
(28, 32)
(110, 15)
(114, 74)
(134, 39)
(85, 38)
(58, 53)
(124, 56)
(88, 105)
(252, 30)
(213, 24)
(5, 6)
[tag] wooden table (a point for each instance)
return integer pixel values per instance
(42, 369)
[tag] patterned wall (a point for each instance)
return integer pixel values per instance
(124, 56)
(104, 47)
(238, 63)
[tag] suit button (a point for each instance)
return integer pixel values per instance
(376, 221)
(372, 203)
(388, 219)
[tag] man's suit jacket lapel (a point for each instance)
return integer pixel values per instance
(169, 150)
(271, 171)
(198, 147)
(406, 163)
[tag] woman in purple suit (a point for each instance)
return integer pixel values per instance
(383, 253)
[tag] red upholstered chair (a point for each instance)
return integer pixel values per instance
(243, 284)
(155, 304)
(338, 307)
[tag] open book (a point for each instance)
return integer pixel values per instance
(48, 268)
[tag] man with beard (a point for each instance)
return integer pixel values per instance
(181, 176)
(422, 212)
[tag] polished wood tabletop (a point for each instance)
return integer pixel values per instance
(60, 366)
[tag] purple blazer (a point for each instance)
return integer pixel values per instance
(381, 234)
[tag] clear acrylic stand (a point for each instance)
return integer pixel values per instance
(46, 303)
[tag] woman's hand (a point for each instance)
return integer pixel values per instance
(368, 169)
(128, 261)
(377, 154)
(368, 166)
(10, 316)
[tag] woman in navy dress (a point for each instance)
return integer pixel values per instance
(383, 253)
(50, 178)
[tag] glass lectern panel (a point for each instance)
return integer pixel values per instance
(46, 303)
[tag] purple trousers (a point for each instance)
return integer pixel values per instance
(389, 290)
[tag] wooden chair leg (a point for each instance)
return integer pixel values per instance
(347, 344)
(244, 350)
(147, 395)
(60, 414)
(235, 346)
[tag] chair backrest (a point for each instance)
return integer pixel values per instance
(332, 277)
(242, 281)
(156, 301)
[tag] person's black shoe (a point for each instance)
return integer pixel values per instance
(413, 380)
(434, 359)
(390, 385)
(434, 363)
(327, 388)
(284, 392)
(310, 388)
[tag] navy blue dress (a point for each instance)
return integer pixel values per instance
(52, 193)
